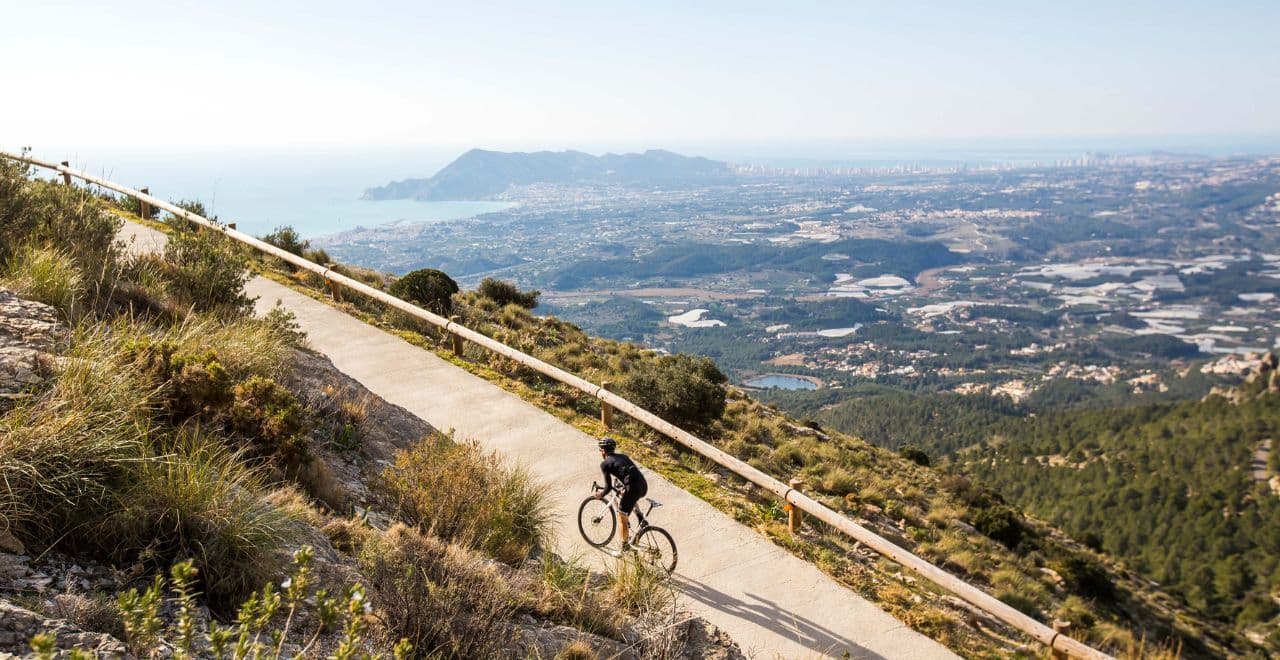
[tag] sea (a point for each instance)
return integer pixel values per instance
(317, 192)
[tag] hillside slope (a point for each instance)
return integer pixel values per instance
(168, 460)
(1168, 489)
(952, 521)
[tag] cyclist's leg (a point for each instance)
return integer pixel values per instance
(626, 504)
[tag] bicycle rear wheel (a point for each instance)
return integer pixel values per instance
(596, 522)
(656, 548)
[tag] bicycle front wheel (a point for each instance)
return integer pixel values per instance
(596, 522)
(656, 548)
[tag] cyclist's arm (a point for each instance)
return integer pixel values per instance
(608, 479)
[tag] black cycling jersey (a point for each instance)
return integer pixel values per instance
(625, 470)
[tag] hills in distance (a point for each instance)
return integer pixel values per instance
(480, 175)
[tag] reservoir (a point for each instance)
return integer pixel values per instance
(781, 382)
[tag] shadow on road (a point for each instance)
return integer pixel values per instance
(766, 614)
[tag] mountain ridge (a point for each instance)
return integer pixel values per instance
(481, 174)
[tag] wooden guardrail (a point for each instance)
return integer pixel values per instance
(1060, 644)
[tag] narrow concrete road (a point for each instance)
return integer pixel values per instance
(773, 604)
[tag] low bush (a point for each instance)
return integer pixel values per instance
(464, 495)
(506, 293)
(915, 455)
(206, 271)
(271, 417)
(44, 215)
(641, 589)
(1001, 524)
(287, 238)
(187, 385)
(437, 596)
(428, 288)
(682, 389)
(566, 596)
(163, 621)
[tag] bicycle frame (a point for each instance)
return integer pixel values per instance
(612, 501)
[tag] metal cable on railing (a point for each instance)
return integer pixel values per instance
(1060, 644)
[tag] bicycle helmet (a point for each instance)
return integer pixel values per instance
(608, 444)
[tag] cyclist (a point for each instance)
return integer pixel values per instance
(631, 484)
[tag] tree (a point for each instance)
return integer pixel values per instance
(428, 287)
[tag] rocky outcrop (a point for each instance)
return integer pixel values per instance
(29, 335)
(18, 625)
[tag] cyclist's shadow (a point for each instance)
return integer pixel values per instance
(766, 614)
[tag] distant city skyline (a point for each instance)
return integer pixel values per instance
(580, 75)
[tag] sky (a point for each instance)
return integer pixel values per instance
(183, 74)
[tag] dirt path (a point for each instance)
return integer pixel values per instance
(772, 603)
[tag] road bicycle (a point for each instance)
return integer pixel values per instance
(598, 522)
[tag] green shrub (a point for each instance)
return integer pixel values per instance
(187, 385)
(682, 389)
(463, 495)
(915, 455)
(286, 238)
(1083, 574)
(307, 613)
(207, 271)
(839, 482)
(428, 288)
(45, 215)
(506, 293)
(271, 417)
(45, 275)
(1001, 524)
(284, 325)
(639, 588)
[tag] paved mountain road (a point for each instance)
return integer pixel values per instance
(772, 603)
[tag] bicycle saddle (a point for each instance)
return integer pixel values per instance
(652, 502)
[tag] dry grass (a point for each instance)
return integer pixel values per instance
(442, 598)
(46, 275)
(63, 451)
(464, 495)
(200, 501)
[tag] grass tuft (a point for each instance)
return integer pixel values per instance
(45, 275)
(465, 495)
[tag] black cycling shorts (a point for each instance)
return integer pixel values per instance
(632, 495)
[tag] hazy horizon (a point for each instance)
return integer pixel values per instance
(503, 75)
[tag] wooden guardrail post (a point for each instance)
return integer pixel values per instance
(335, 289)
(1062, 628)
(455, 340)
(66, 176)
(793, 514)
(145, 210)
(606, 410)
